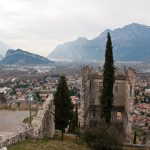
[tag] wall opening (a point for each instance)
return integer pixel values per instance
(119, 116)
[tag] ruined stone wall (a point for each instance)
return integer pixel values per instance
(119, 93)
(82, 113)
(85, 71)
(123, 96)
(95, 91)
(16, 137)
(127, 119)
(43, 125)
(148, 139)
(130, 96)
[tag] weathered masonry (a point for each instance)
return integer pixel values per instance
(43, 125)
(123, 98)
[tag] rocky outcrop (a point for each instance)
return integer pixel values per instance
(43, 125)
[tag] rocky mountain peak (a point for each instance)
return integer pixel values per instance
(127, 41)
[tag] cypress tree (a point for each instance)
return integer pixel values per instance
(134, 140)
(108, 82)
(63, 106)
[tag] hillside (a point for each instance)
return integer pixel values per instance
(3, 48)
(131, 43)
(49, 144)
(22, 57)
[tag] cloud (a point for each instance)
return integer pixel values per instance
(39, 25)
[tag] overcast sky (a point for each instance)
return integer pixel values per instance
(39, 26)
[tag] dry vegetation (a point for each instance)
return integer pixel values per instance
(50, 144)
(69, 143)
(14, 108)
(53, 144)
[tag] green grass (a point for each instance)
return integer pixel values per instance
(27, 120)
(69, 143)
(140, 134)
(6, 107)
(53, 144)
(134, 149)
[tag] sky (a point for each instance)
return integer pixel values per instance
(38, 26)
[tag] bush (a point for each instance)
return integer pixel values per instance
(102, 137)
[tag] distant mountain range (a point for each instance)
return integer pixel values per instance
(22, 57)
(3, 49)
(130, 43)
(1, 57)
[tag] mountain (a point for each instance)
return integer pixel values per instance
(3, 48)
(130, 43)
(22, 57)
(1, 57)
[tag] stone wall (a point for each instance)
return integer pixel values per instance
(148, 139)
(43, 125)
(17, 137)
(123, 97)
(136, 146)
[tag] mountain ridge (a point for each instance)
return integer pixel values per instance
(3, 48)
(19, 56)
(131, 39)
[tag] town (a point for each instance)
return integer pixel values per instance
(74, 75)
(16, 82)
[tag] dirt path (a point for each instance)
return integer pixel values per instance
(11, 122)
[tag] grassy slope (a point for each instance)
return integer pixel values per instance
(69, 143)
(49, 144)
(52, 144)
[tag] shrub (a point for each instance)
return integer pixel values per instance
(103, 137)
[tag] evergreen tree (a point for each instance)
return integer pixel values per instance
(108, 82)
(76, 117)
(134, 140)
(63, 106)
